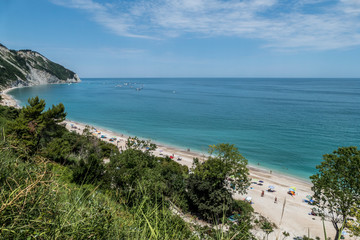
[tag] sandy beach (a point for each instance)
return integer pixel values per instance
(7, 99)
(295, 220)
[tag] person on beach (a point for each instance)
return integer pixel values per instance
(262, 193)
(275, 200)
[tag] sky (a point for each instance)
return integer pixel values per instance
(189, 38)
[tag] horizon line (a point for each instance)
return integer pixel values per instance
(231, 77)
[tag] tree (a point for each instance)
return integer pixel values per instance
(207, 191)
(138, 144)
(174, 175)
(130, 166)
(58, 150)
(89, 171)
(336, 186)
(267, 227)
(232, 164)
(209, 201)
(33, 124)
(354, 225)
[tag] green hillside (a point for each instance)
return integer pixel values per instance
(17, 66)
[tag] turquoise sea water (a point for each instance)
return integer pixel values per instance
(282, 124)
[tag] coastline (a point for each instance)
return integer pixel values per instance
(295, 219)
(7, 99)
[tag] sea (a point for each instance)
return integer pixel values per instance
(282, 124)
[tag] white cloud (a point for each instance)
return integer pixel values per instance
(119, 22)
(308, 24)
(80, 4)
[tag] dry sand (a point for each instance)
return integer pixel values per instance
(8, 100)
(295, 220)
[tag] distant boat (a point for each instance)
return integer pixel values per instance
(140, 88)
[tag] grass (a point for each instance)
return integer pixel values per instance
(39, 201)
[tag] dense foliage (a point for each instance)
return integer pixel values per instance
(34, 126)
(336, 186)
(354, 224)
(208, 193)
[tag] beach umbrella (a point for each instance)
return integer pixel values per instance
(248, 199)
(261, 181)
(292, 189)
(309, 197)
(254, 180)
(271, 187)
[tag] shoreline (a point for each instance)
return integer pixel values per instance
(170, 148)
(162, 150)
(187, 156)
(180, 150)
(7, 99)
(295, 218)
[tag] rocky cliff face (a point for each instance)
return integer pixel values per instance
(28, 68)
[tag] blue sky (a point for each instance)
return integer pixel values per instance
(189, 38)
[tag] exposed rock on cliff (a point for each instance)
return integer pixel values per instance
(28, 68)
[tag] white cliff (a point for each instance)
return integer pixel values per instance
(28, 68)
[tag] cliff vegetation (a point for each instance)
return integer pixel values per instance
(26, 68)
